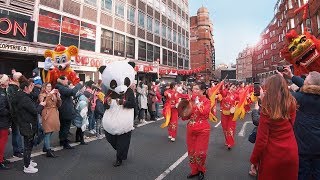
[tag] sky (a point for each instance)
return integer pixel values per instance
(236, 24)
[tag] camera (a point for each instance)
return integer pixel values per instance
(256, 89)
(280, 68)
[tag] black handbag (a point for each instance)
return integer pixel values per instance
(253, 135)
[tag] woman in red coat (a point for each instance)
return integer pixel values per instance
(198, 131)
(275, 154)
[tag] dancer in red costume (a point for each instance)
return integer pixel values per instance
(198, 131)
(228, 104)
(172, 100)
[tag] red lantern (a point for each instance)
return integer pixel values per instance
(98, 63)
(136, 68)
(174, 71)
(93, 62)
(150, 68)
(85, 60)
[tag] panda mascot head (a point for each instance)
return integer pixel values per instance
(119, 101)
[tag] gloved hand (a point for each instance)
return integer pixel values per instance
(47, 63)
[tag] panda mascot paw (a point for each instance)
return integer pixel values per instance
(119, 115)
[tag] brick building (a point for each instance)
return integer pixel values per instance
(202, 43)
(143, 31)
(244, 65)
(266, 55)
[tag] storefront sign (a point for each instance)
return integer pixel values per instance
(13, 47)
(16, 28)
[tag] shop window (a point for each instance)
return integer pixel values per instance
(49, 27)
(157, 27)
(120, 9)
(142, 51)
(141, 17)
(70, 31)
(88, 36)
(130, 14)
(130, 47)
(107, 42)
(119, 44)
(164, 57)
(174, 60)
(149, 52)
(169, 58)
(149, 23)
(156, 53)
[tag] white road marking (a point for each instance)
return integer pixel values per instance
(174, 165)
(241, 133)
(87, 139)
(217, 124)
(149, 122)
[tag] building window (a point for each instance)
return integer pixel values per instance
(149, 52)
(174, 60)
(187, 43)
(157, 4)
(119, 44)
(164, 57)
(169, 58)
(179, 39)
(130, 14)
(87, 36)
(180, 62)
(107, 42)
(302, 28)
(183, 41)
(106, 5)
(70, 31)
(292, 23)
(164, 31)
(141, 19)
(156, 51)
(163, 7)
(142, 51)
(174, 36)
(130, 47)
(91, 2)
(264, 63)
(174, 15)
(169, 34)
(149, 23)
(157, 27)
(49, 34)
(120, 9)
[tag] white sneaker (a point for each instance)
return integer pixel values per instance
(169, 137)
(173, 139)
(30, 169)
(92, 132)
(33, 164)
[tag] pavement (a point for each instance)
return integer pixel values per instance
(151, 156)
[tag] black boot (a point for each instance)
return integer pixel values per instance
(50, 154)
(201, 176)
(81, 136)
(78, 135)
(66, 145)
(192, 175)
(117, 163)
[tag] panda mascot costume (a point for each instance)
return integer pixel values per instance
(118, 118)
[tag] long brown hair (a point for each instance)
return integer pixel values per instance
(278, 103)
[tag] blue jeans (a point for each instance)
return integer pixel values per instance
(16, 139)
(157, 109)
(91, 120)
(46, 140)
(309, 167)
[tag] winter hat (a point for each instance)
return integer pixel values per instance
(3, 78)
(36, 71)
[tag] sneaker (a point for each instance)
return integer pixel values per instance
(33, 164)
(173, 139)
(30, 169)
(169, 137)
(92, 131)
(18, 155)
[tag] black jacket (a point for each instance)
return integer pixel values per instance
(27, 113)
(99, 110)
(67, 110)
(307, 124)
(12, 91)
(4, 110)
